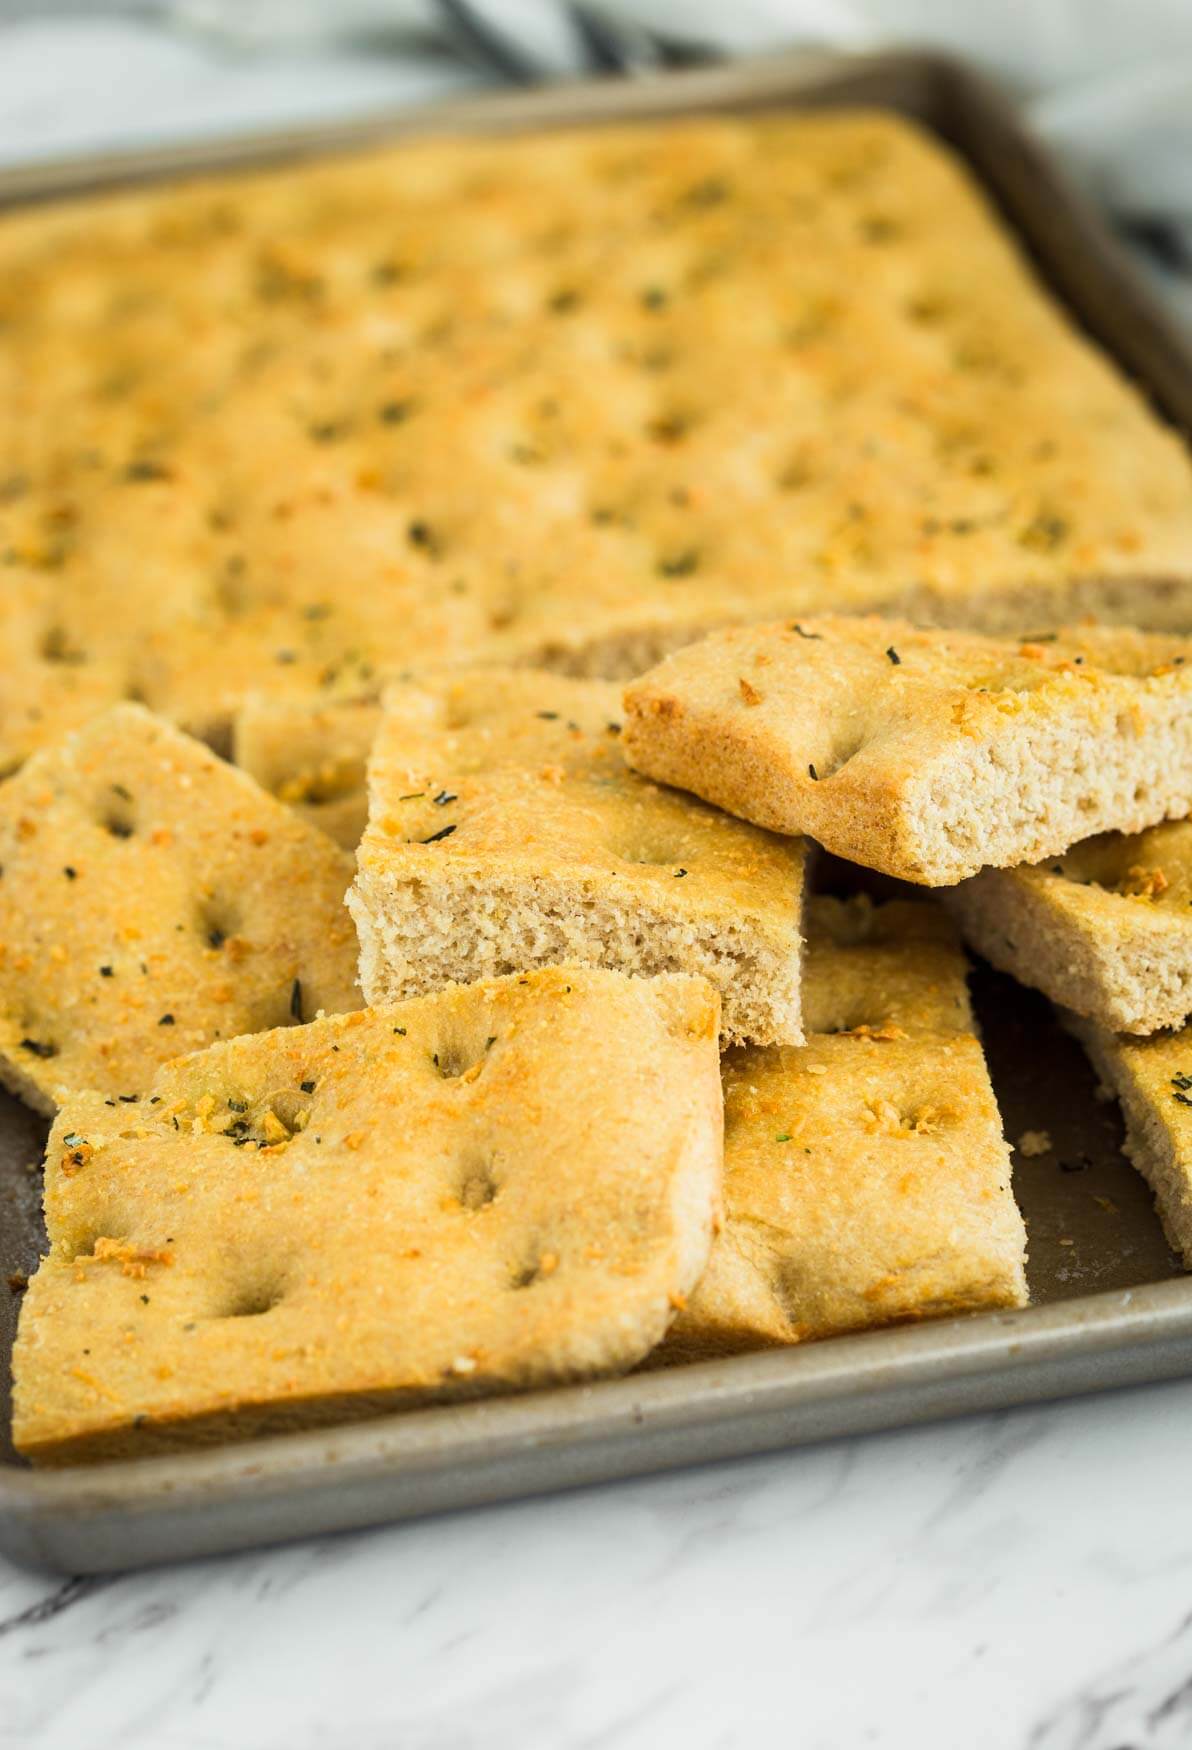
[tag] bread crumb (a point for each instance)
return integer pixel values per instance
(272, 1128)
(1142, 883)
(1034, 1142)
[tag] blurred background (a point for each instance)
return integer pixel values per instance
(1108, 83)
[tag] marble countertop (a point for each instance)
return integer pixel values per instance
(1023, 1579)
(999, 1582)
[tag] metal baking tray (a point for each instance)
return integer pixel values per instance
(1111, 1306)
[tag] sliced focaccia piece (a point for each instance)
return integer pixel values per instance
(928, 755)
(505, 831)
(152, 899)
(495, 1187)
(311, 756)
(1104, 929)
(866, 1180)
(1152, 1079)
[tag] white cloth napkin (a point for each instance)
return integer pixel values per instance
(1108, 83)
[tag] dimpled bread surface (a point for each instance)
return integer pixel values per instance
(924, 754)
(507, 1186)
(152, 899)
(866, 1178)
(313, 757)
(573, 397)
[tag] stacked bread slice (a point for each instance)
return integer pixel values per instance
(1044, 788)
(517, 1165)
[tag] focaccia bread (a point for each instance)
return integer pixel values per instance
(573, 398)
(866, 1180)
(313, 757)
(505, 831)
(47, 686)
(489, 1189)
(1104, 930)
(153, 899)
(1152, 1079)
(924, 754)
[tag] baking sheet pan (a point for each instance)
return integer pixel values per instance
(1111, 1307)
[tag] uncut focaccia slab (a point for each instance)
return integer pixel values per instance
(927, 755)
(1104, 930)
(505, 831)
(866, 1180)
(497, 1187)
(313, 757)
(573, 397)
(46, 688)
(153, 899)
(1152, 1079)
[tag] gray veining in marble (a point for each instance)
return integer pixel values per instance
(1022, 1579)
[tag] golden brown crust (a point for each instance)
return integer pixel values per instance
(925, 754)
(578, 397)
(47, 687)
(154, 899)
(866, 1178)
(311, 756)
(505, 831)
(489, 1189)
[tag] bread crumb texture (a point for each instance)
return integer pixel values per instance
(505, 831)
(1152, 1080)
(1104, 929)
(924, 754)
(573, 397)
(153, 899)
(489, 1189)
(866, 1178)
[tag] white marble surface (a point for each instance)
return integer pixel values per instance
(1016, 1580)
(1008, 1581)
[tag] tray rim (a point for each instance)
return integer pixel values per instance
(755, 81)
(398, 1466)
(401, 1465)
